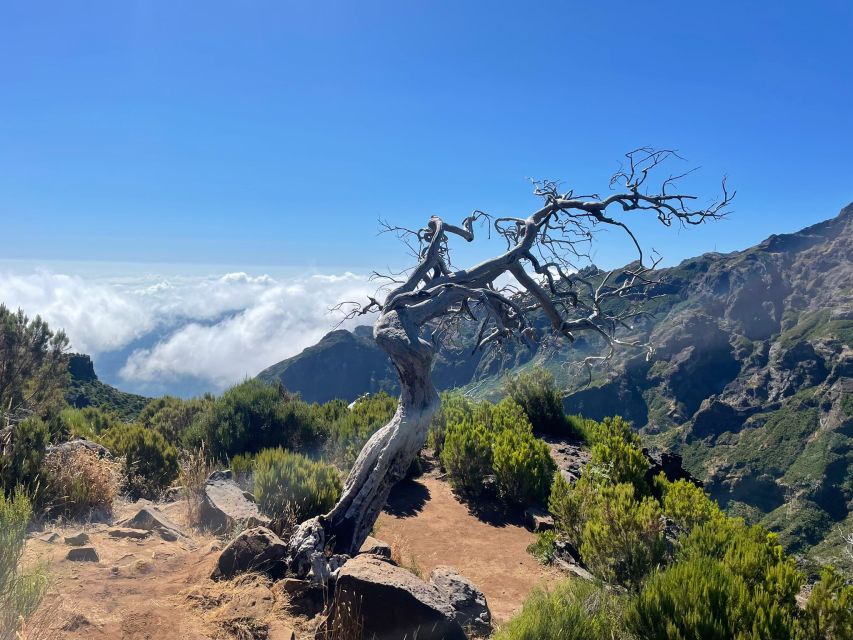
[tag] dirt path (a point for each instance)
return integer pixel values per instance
(153, 589)
(132, 592)
(430, 524)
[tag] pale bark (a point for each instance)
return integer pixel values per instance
(385, 458)
(550, 242)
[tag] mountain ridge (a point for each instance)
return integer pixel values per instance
(751, 379)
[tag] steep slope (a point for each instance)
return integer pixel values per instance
(751, 378)
(86, 390)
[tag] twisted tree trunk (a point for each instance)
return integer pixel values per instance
(550, 242)
(382, 462)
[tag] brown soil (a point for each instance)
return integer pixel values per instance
(156, 590)
(431, 527)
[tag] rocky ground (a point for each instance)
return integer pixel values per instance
(135, 579)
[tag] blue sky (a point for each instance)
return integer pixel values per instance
(187, 187)
(276, 133)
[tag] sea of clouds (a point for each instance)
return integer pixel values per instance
(183, 334)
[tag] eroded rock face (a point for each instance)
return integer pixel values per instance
(468, 602)
(393, 603)
(224, 505)
(257, 549)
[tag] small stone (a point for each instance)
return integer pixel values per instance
(50, 537)
(127, 532)
(82, 554)
(280, 631)
(376, 547)
(167, 534)
(538, 520)
(77, 539)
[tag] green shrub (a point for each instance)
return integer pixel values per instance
(623, 537)
(467, 455)
(253, 416)
(285, 480)
(706, 598)
(537, 393)
(828, 613)
(522, 464)
(20, 591)
(150, 463)
(616, 450)
(728, 581)
(694, 599)
(454, 409)
(574, 610)
(88, 422)
(571, 505)
(242, 464)
(21, 462)
(348, 434)
(173, 417)
(687, 505)
(544, 547)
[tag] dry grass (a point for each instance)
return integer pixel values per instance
(345, 623)
(194, 471)
(410, 562)
(77, 482)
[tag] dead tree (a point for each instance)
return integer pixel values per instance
(540, 272)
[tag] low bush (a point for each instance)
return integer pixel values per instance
(290, 481)
(20, 591)
(537, 393)
(454, 408)
(687, 505)
(571, 505)
(349, 432)
(253, 416)
(173, 417)
(616, 452)
(77, 482)
(523, 466)
(150, 463)
(88, 422)
(467, 455)
(623, 536)
(21, 461)
(574, 610)
(544, 548)
(828, 613)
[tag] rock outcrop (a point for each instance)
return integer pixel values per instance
(225, 505)
(257, 549)
(469, 604)
(391, 602)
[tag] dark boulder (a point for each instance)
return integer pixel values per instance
(257, 549)
(392, 603)
(82, 554)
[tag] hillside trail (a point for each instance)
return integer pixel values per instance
(153, 589)
(430, 526)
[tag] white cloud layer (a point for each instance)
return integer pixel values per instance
(217, 329)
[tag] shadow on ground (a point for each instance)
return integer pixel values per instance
(407, 499)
